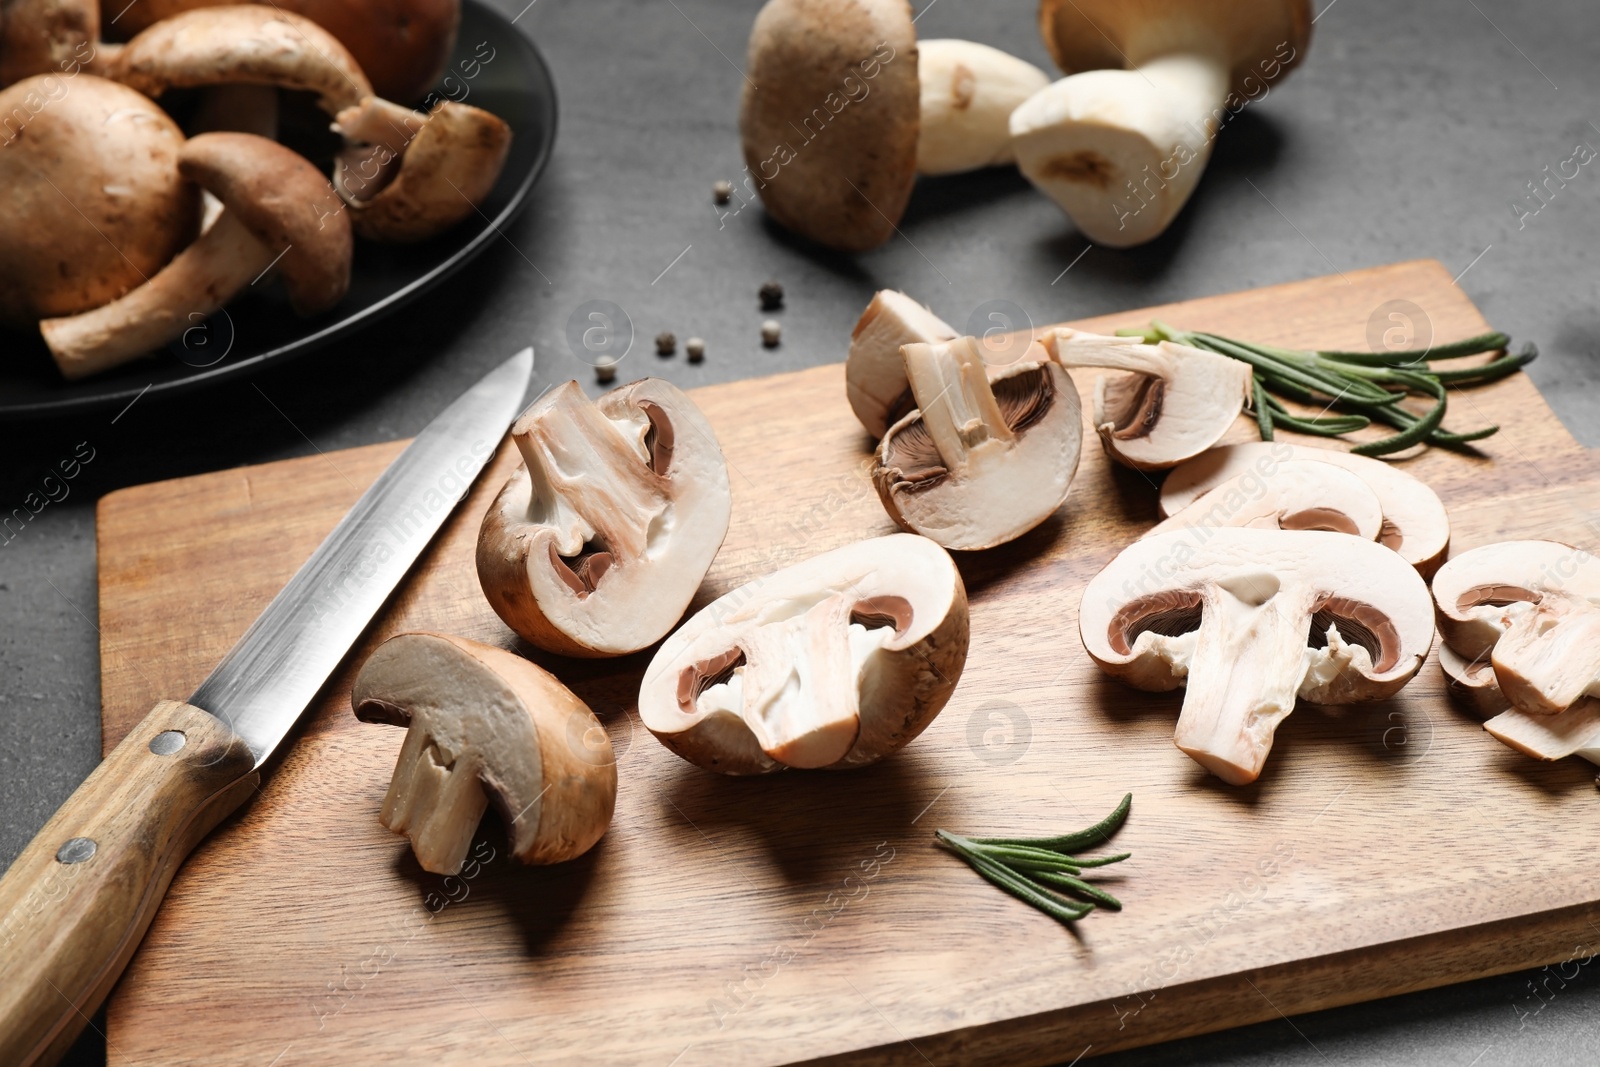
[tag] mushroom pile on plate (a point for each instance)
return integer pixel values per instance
(124, 228)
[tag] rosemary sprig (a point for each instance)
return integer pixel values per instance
(1043, 871)
(1369, 386)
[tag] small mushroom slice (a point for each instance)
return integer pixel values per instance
(833, 662)
(1248, 621)
(486, 726)
(1472, 682)
(1301, 496)
(241, 44)
(1574, 732)
(278, 212)
(1175, 403)
(874, 373)
(1533, 609)
(979, 462)
(1415, 523)
(599, 541)
(408, 176)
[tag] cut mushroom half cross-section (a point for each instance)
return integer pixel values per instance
(1532, 608)
(979, 462)
(833, 662)
(1300, 496)
(1174, 403)
(874, 374)
(484, 726)
(1415, 523)
(1249, 621)
(599, 541)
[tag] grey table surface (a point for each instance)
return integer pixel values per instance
(1410, 131)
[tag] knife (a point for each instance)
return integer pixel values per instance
(77, 901)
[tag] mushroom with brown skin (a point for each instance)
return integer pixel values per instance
(1301, 496)
(278, 212)
(1415, 523)
(599, 541)
(979, 462)
(486, 726)
(1121, 143)
(841, 112)
(834, 662)
(1174, 403)
(1250, 620)
(94, 200)
(1533, 609)
(60, 37)
(402, 45)
(406, 175)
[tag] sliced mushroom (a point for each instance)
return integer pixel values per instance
(278, 212)
(834, 662)
(1415, 523)
(1533, 609)
(874, 373)
(599, 541)
(486, 726)
(1300, 496)
(979, 463)
(1574, 732)
(409, 176)
(1175, 403)
(1473, 683)
(1248, 621)
(1122, 142)
(94, 200)
(841, 111)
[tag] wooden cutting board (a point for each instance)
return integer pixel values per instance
(803, 916)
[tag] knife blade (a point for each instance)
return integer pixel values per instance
(76, 903)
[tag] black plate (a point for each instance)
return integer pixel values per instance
(494, 67)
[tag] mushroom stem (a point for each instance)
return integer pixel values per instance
(435, 803)
(1549, 657)
(587, 481)
(1244, 673)
(375, 121)
(1121, 150)
(192, 287)
(958, 407)
(238, 108)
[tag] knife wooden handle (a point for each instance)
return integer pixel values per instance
(76, 903)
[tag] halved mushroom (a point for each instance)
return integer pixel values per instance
(409, 176)
(841, 111)
(94, 201)
(1175, 403)
(1122, 142)
(874, 374)
(979, 462)
(1300, 496)
(278, 213)
(1415, 523)
(1248, 621)
(599, 541)
(1533, 609)
(486, 726)
(833, 662)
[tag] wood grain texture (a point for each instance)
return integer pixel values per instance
(1386, 848)
(72, 915)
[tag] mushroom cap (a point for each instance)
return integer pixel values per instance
(1301, 495)
(446, 170)
(1176, 402)
(47, 37)
(483, 715)
(834, 662)
(286, 203)
(830, 117)
(1415, 523)
(1114, 34)
(874, 375)
(402, 45)
(245, 44)
(607, 556)
(1155, 588)
(94, 201)
(1003, 489)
